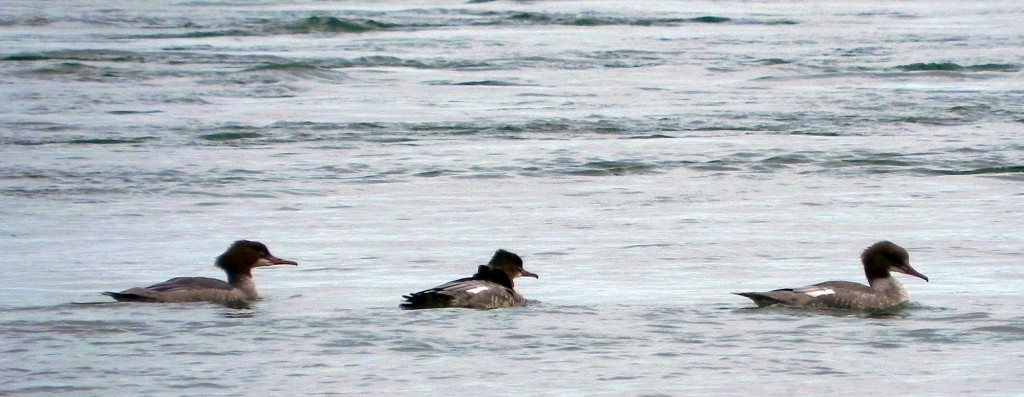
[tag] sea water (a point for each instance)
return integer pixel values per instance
(644, 158)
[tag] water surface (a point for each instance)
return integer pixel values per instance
(645, 159)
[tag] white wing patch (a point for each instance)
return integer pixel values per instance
(478, 290)
(819, 292)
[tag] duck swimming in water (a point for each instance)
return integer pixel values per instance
(883, 290)
(238, 262)
(490, 288)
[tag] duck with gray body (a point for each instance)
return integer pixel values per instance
(490, 288)
(883, 290)
(237, 262)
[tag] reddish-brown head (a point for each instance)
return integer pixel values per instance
(883, 257)
(509, 263)
(244, 255)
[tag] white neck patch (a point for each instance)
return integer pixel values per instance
(890, 286)
(248, 286)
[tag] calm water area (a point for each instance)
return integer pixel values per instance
(646, 159)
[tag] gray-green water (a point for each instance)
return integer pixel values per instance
(645, 159)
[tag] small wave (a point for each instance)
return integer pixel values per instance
(393, 61)
(954, 67)
(356, 22)
(567, 20)
(773, 61)
(650, 136)
(216, 33)
(538, 18)
(613, 167)
(788, 159)
(76, 140)
(486, 83)
(323, 24)
(230, 136)
(128, 112)
(1013, 169)
(387, 61)
(710, 19)
(296, 69)
(78, 55)
(888, 162)
(54, 390)
(287, 66)
(77, 71)
(110, 141)
(887, 73)
(309, 25)
(199, 34)
(489, 83)
(1000, 329)
(1003, 332)
(970, 109)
